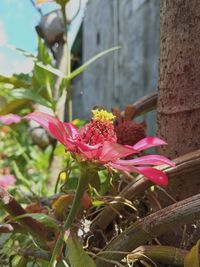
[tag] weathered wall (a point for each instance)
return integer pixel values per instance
(124, 76)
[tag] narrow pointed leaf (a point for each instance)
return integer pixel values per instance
(30, 95)
(51, 69)
(41, 217)
(90, 61)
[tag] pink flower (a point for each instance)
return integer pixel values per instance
(97, 142)
(7, 180)
(10, 118)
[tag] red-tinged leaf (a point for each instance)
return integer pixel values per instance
(61, 205)
(43, 218)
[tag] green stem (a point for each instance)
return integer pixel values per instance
(82, 186)
(69, 95)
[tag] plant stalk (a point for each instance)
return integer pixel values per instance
(82, 186)
(69, 95)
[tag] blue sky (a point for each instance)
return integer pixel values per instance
(18, 19)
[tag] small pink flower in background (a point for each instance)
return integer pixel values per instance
(7, 180)
(10, 118)
(97, 142)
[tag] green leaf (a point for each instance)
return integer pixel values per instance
(97, 203)
(31, 95)
(85, 65)
(20, 176)
(38, 61)
(192, 258)
(94, 181)
(41, 217)
(17, 82)
(77, 255)
(51, 69)
(57, 72)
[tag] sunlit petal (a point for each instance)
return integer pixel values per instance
(53, 125)
(147, 160)
(148, 142)
(112, 151)
(71, 129)
(156, 176)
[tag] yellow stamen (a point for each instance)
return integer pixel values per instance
(103, 115)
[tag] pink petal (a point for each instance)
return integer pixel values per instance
(148, 142)
(53, 125)
(72, 130)
(7, 180)
(10, 118)
(156, 176)
(112, 151)
(149, 159)
(89, 152)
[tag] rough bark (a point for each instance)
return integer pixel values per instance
(178, 106)
(179, 92)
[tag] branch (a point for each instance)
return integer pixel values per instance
(35, 253)
(144, 230)
(144, 105)
(188, 163)
(37, 229)
(161, 254)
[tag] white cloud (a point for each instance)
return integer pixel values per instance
(11, 62)
(9, 67)
(24, 66)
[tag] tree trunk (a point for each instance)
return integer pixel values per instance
(178, 120)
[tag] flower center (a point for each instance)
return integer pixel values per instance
(99, 129)
(102, 115)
